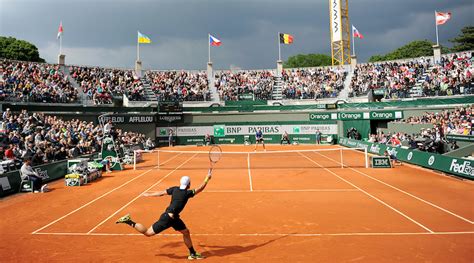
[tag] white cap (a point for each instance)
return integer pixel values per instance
(184, 182)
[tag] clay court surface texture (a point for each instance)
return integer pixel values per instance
(282, 207)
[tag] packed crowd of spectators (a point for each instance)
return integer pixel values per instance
(179, 85)
(313, 83)
(458, 121)
(452, 76)
(395, 78)
(46, 139)
(34, 82)
(101, 84)
(233, 85)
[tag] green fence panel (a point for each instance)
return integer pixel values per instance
(49, 172)
(455, 166)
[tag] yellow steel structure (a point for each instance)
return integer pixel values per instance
(340, 32)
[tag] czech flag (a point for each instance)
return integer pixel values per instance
(442, 18)
(143, 39)
(286, 39)
(60, 29)
(214, 41)
(356, 33)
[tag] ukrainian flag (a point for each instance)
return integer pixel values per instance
(142, 39)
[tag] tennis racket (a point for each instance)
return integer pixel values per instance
(215, 154)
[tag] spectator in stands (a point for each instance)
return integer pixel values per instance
(313, 83)
(27, 172)
(49, 138)
(232, 85)
(6, 114)
(454, 145)
(34, 82)
(101, 84)
(9, 155)
(395, 79)
(175, 85)
(395, 142)
(108, 127)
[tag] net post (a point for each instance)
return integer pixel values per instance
(342, 161)
(366, 157)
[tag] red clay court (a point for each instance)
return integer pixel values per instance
(284, 207)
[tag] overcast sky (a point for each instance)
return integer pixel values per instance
(104, 32)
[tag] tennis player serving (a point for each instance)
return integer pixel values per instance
(179, 198)
(259, 139)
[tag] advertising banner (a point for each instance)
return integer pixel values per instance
(456, 166)
(336, 20)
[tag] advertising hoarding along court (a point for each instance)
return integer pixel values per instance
(457, 166)
(350, 116)
(226, 130)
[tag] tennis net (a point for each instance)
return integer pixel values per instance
(285, 159)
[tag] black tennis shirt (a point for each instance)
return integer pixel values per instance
(179, 198)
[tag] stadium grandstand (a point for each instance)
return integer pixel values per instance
(364, 162)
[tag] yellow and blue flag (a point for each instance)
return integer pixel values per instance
(143, 39)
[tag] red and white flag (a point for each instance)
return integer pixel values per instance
(356, 33)
(442, 18)
(60, 29)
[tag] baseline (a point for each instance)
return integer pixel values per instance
(402, 191)
(377, 199)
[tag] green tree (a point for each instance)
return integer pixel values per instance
(418, 48)
(465, 40)
(309, 60)
(12, 48)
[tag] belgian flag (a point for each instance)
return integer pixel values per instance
(286, 39)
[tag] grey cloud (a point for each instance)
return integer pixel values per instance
(104, 32)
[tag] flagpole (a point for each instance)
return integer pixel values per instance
(209, 46)
(437, 39)
(279, 46)
(61, 39)
(353, 43)
(138, 48)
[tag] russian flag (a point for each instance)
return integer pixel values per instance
(214, 41)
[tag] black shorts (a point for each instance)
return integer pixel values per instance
(259, 139)
(166, 222)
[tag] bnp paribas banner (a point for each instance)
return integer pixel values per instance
(457, 166)
(230, 130)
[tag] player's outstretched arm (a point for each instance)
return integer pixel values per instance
(203, 185)
(159, 193)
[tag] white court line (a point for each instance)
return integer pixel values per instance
(380, 201)
(400, 190)
(138, 196)
(87, 204)
(282, 190)
(250, 175)
(169, 160)
(274, 234)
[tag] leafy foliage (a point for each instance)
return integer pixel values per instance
(465, 40)
(418, 48)
(12, 48)
(309, 60)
